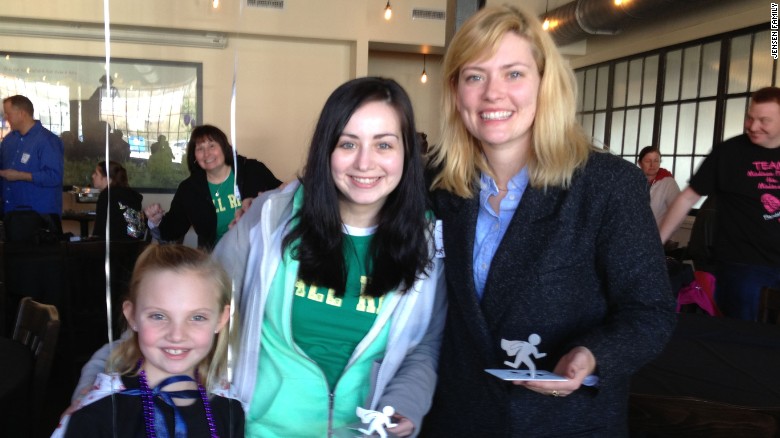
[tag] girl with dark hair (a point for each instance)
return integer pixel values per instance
(340, 294)
(127, 222)
(206, 200)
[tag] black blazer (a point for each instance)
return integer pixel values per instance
(580, 267)
(192, 204)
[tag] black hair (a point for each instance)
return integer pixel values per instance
(207, 132)
(399, 248)
(118, 173)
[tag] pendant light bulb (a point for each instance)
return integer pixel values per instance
(424, 77)
(388, 11)
(215, 4)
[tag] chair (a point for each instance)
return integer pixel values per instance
(37, 327)
(769, 305)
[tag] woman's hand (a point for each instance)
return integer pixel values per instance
(245, 204)
(403, 426)
(154, 214)
(575, 366)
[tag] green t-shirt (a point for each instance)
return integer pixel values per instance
(225, 203)
(328, 328)
(292, 397)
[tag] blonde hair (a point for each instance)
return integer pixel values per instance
(559, 146)
(177, 258)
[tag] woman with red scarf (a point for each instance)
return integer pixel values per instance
(663, 187)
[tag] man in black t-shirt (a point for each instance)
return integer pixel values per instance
(744, 173)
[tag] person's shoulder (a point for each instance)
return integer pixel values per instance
(231, 412)
(136, 194)
(95, 418)
(603, 158)
(192, 181)
(245, 162)
(448, 206)
(277, 202)
(128, 193)
(604, 164)
(226, 403)
(242, 160)
(734, 145)
(668, 183)
(739, 140)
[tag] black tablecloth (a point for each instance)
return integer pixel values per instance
(717, 359)
(16, 365)
(716, 370)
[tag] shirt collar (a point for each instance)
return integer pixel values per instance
(517, 183)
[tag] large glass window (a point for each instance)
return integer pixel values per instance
(140, 105)
(683, 99)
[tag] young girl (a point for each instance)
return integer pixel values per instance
(177, 311)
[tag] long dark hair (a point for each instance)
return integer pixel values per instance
(399, 249)
(207, 132)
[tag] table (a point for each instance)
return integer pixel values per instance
(83, 218)
(716, 377)
(16, 364)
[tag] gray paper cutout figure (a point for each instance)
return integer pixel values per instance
(523, 351)
(377, 421)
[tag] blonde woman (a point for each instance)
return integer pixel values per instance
(543, 235)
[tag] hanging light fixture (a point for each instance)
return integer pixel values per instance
(388, 11)
(548, 24)
(424, 76)
(215, 4)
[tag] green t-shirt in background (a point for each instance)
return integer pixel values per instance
(225, 203)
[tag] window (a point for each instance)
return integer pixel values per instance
(139, 103)
(684, 98)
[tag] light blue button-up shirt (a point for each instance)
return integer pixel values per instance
(491, 226)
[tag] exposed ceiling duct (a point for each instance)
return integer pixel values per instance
(583, 18)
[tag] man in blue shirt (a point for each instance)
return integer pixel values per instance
(31, 164)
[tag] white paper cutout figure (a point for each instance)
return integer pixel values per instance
(377, 421)
(523, 351)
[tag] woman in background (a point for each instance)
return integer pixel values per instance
(546, 240)
(206, 200)
(127, 221)
(663, 187)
